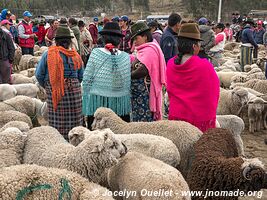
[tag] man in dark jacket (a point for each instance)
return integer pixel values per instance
(168, 42)
(73, 23)
(247, 45)
(7, 52)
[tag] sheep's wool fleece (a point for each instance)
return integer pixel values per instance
(34, 182)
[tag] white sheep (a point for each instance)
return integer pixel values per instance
(23, 64)
(17, 57)
(153, 146)
(11, 147)
(255, 84)
(7, 92)
(236, 125)
(30, 106)
(143, 174)
(20, 79)
(238, 78)
(225, 78)
(181, 133)
(28, 72)
(37, 182)
(27, 89)
(231, 102)
(22, 126)
(256, 107)
(11, 115)
(45, 146)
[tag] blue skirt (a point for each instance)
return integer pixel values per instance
(140, 101)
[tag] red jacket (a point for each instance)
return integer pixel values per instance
(94, 32)
(41, 34)
(29, 42)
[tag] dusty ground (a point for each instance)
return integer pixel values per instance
(255, 147)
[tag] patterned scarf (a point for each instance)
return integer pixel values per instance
(56, 70)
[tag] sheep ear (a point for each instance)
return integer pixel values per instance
(97, 149)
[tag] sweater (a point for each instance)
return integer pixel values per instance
(247, 36)
(106, 83)
(193, 89)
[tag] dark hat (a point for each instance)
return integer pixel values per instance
(124, 18)
(138, 28)
(249, 21)
(112, 28)
(190, 30)
(153, 24)
(220, 25)
(63, 31)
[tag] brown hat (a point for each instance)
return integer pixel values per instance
(63, 31)
(190, 30)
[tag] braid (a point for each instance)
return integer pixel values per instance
(178, 60)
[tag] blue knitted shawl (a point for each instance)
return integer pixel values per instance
(106, 83)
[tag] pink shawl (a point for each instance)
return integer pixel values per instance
(151, 56)
(193, 89)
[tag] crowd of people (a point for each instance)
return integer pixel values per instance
(128, 66)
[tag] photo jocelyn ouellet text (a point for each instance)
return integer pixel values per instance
(168, 193)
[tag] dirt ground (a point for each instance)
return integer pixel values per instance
(255, 147)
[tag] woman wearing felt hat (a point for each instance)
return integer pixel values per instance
(192, 84)
(107, 77)
(148, 75)
(60, 72)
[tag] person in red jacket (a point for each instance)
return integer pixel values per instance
(41, 34)
(94, 31)
(26, 36)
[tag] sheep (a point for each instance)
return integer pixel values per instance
(154, 146)
(37, 182)
(45, 146)
(32, 63)
(9, 116)
(225, 78)
(238, 78)
(36, 48)
(181, 133)
(258, 75)
(143, 174)
(231, 102)
(236, 125)
(7, 92)
(231, 46)
(43, 49)
(23, 64)
(20, 79)
(22, 126)
(28, 72)
(217, 167)
(256, 113)
(17, 58)
(27, 89)
(255, 84)
(11, 147)
(30, 106)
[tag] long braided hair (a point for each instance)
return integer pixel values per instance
(185, 46)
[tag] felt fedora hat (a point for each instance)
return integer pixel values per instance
(111, 28)
(190, 30)
(138, 28)
(63, 31)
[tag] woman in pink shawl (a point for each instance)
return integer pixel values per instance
(192, 83)
(148, 74)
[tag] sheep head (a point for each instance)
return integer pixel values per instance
(77, 135)
(104, 117)
(254, 174)
(104, 141)
(258, 105)
(240, 95)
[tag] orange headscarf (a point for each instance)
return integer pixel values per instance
(56, 70)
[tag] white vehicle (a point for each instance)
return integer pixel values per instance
(162, 19)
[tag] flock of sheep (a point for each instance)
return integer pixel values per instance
(137, 160)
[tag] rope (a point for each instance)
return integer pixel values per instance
(65, 189)
(22, 193)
